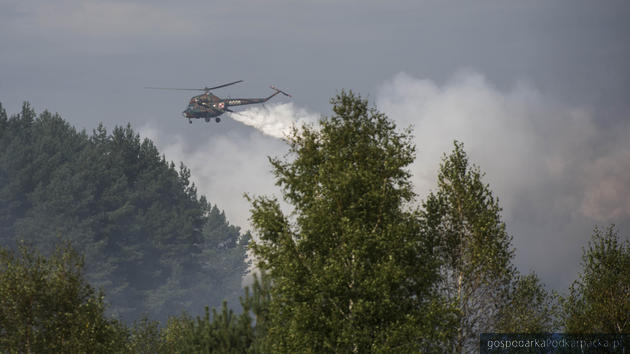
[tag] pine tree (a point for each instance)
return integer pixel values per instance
(148, 239)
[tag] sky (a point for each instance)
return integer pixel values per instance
(538, 92)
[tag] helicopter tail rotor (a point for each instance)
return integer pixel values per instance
(279, 91)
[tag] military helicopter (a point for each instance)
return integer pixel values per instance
(209, 106)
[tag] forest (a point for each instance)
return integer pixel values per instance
(150, 243)
(107, 247)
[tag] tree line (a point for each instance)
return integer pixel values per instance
(359, 265)
(150, 242)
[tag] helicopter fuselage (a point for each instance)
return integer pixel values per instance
(208, 105)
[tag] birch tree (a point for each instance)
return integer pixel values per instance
(474, 245)
(599, 300)
(351, 268)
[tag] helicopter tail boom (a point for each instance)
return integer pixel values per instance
(244, 101)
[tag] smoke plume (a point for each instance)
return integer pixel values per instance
(275, 120)
(556, 172)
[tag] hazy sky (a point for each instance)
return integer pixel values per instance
(538, 91)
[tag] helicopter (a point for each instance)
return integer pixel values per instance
(208, 106)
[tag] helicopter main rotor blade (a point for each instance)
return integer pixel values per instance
(193, 89)
(216, 87)
(171, 88)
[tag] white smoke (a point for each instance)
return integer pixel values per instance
(557, 173)
(225, 167)
(275, 120)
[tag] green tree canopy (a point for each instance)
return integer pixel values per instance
(351, 268)
(528, 308)
(150, 242)
(599, 300)
(47, 306)
(476, 250)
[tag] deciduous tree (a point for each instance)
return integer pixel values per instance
(47, 306)
(351, 268)
(529, 307)
(599, 300)
(474, 245)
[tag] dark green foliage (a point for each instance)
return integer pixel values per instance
(529, 308)
(224, 254)
(257, 304)
(216, 332)
(474, 245)
(223, 332)
(150, 243)
(46, 306)
(145, 337)
(353, 271)
(599, 301)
